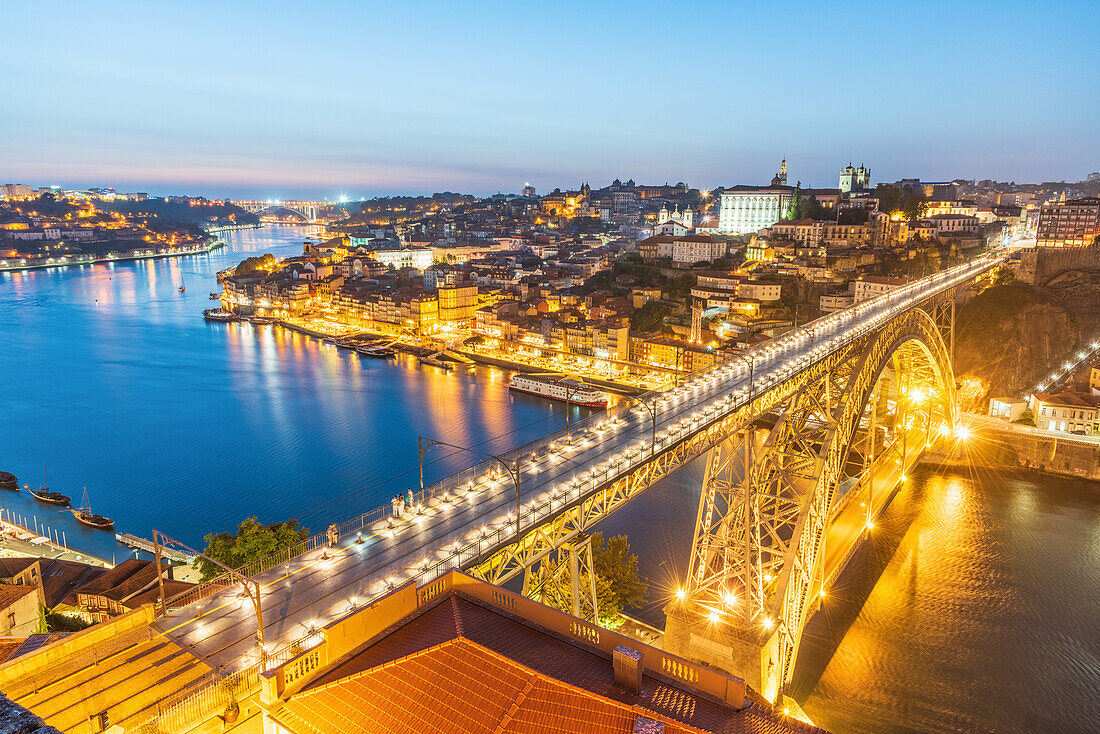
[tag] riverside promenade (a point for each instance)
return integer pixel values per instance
(67, 261)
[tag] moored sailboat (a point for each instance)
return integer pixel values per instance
(43, 493)
(85, 516)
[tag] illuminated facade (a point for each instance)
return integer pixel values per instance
(747, 209)
(1073, 223)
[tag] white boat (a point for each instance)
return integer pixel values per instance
(557, 388)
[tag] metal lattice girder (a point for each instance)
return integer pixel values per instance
(567, 581)
(759, 560)
(506, 562)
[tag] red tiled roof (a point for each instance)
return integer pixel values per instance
(463, 667)
(11, 593)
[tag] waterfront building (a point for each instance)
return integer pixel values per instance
(1072, 223)
(457, 303)
(1070, 412)
(1005, 408)
(663, 351)
(747, 209)
(126, 587)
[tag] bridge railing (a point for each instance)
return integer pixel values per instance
(455, 484)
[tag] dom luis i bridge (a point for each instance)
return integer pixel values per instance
(806, 438)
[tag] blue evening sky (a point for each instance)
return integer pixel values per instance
(321, 98)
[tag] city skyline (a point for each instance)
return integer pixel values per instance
(368, 101)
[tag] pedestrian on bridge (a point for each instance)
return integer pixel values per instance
(395, 505)
(409, 495)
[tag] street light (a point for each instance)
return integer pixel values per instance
(653, 414)
(751, 362)
(423, 444)
(160, 540)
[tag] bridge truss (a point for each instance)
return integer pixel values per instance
(757, 556)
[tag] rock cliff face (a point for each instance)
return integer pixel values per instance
(1008, 337)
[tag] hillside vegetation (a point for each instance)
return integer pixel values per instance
(1007, 337)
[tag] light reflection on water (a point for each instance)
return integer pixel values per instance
(113, 380)
(984, 617)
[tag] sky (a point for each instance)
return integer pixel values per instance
(322, 99)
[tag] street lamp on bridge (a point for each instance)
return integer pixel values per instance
(423, 444)
(251, 586)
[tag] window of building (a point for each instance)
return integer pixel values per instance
(11, 620)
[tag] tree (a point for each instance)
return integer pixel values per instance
(649, 317)
(618, 585)
(266, 262)
(616, 565)
(914, 207)
(57, 622)
(889, 198)
(253, 541)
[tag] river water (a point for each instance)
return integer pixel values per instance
(115, 382)
(975, 609)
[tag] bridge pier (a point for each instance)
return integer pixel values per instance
(748, 653)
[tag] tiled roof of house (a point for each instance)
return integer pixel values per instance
(462, 666)
(11, 593)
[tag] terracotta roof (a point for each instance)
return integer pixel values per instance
(60, 579)
(1069, 399)
(11, 593)
(462, 666)
(132, 582)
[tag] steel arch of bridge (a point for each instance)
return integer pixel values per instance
(759, 540)
(793, 482)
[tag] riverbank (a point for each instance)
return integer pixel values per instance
(66, 261)
(996, 445)
(19, 541)
(231, 228)
(401, 343)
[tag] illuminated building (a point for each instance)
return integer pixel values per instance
(1073, 223)
(457, 303)
(1069, 412)
(853, 179)
(748, 209)
(686, 219)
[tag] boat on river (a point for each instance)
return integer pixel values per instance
(376, 352)
(215, 296)
(261, 320)
(9, 481)
(43, 493)
(85, 516)
(219, 315)
(435, 361)
(566, 389)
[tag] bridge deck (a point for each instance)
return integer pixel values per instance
(309, 592)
